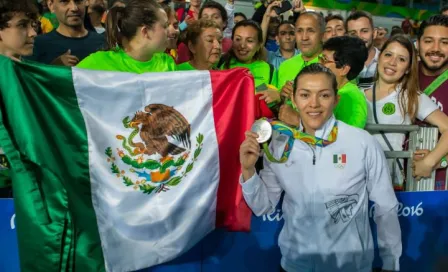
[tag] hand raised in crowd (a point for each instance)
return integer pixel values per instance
(249, 154)
(297, 6)
(270, 8)
(287, 90)
(289, 116)
(189, 20)
(270, 96)
(67, 59)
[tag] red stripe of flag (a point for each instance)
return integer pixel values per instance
(234, 108)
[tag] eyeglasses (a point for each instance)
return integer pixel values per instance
(323, 60)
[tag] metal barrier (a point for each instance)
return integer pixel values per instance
(419, 138)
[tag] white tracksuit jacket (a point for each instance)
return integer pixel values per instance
(325, 206)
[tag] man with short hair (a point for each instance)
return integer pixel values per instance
(71, 42)
(334, 27)
(310, 28)
(214, 11)
(432, 45)
(285, 37)
(360, 24)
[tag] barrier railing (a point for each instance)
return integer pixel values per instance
(418, 138)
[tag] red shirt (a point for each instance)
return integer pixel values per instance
(180, 12)
(406, 26)
(440, 97)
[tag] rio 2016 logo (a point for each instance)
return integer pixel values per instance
(404, 211)
(276, 215)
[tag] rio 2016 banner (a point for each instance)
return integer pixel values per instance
(374, 8)
(423, 219)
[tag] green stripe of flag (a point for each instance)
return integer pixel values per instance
(335, 158)
(44, 137)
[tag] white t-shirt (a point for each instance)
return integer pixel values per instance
(388, 112)
(366, 77)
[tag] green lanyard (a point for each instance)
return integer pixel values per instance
(436, 83)
(294, 134)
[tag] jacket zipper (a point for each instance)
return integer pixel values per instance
(314, 198)
(314, 154)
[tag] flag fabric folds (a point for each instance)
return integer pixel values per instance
(118, 171)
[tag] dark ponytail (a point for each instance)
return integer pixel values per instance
(123, 22)
(113, 27)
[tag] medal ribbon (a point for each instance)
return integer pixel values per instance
(294, 134)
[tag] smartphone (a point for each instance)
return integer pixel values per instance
(286, 5)
(183, 26)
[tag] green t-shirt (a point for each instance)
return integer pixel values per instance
(352, 106)
(121, 62)
(290, 68)
(262, 71)
(186, 66)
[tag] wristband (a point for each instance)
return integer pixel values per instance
(443, 162)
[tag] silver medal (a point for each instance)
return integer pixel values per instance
(264, 130)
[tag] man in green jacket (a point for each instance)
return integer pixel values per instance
(345, 57)
(310, 28)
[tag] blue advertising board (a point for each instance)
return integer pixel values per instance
(423, 219)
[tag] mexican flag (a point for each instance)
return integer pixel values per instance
(340, 158)
(118, 171)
